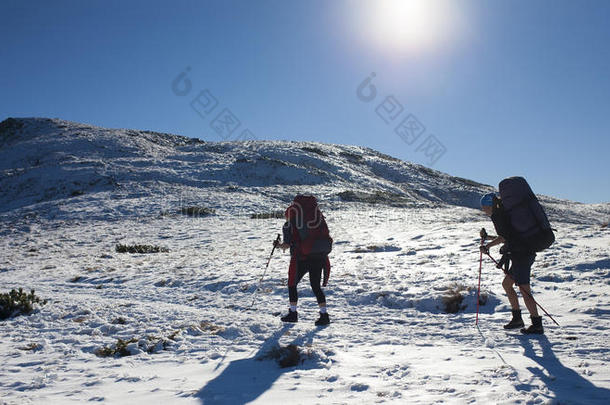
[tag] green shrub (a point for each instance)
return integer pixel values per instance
(150, 345)
(120, 248)
(118, 349)
(378, 197)
(352, 157)
(267, 215)
(314, 150)
(17, 303)
(196, 211)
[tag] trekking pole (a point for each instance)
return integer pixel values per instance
(528, 294)
(275, 243)
(480, 268)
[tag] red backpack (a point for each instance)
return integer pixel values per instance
(309, 230)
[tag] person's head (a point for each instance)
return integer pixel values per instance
(487, 202)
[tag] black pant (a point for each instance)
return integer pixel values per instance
(314, 268)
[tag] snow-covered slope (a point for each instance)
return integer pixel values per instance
(201, 320)
(52, 166)
(49, 159)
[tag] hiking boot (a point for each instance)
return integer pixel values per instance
(516, 322)
(323, 319)
(291, 316)
(535, 328)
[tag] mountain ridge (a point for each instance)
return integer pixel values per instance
(48, 162)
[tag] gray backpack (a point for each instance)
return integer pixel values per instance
(526, 216)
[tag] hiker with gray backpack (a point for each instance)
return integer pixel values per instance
(524, 229)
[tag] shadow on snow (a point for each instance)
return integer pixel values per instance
(567, 384)
(245, 380)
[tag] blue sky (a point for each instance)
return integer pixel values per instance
(496, 88)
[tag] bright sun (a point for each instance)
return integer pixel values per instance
(407, 25)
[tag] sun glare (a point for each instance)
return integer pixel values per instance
(407, 25)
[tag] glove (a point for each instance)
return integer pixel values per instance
(484, 249)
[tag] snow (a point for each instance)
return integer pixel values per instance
(205, 333)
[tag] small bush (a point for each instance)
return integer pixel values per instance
(378, 197)
(120, 248)
(314, 150)
(268, 215)
(31, 347)
(453, 298)
(286, 356)
(353, 157)
(211, 328)
(453, 301)
(118, 349)
(150, 345)
(274, 162)
(196, 211)
(17, 303)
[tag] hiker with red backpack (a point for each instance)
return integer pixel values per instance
(306, 235)
(524, 229)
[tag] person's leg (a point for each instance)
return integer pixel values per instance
(315, 277)
(536, 326)
(526, 292)
(517, 320)
(521, 269)
(297, 272)
(507, 284)
(293, 296)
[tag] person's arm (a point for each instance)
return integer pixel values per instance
(286, 230)
(495, 241)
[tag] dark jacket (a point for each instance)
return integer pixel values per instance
(287, 231)
(501, 222)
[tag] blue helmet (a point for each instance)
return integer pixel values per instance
(488, 200)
